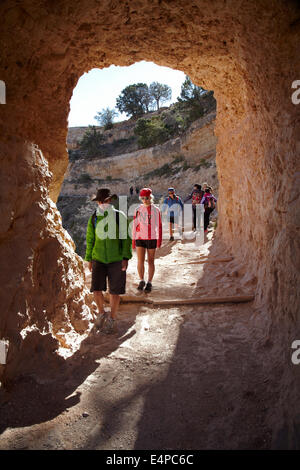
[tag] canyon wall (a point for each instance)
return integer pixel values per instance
(195, 147)
(247, 52)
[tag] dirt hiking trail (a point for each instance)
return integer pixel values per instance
(173, 377)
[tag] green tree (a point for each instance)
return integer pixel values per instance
(106, 117)
(135, 100)
(147, 99)
(160, 92)
(191, 99)
(189, 91)
(91, 141)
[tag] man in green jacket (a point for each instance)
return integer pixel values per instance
(108, 249)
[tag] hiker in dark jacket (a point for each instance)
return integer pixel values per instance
(173, 206)
(209, 202)
(196, 196)
(108, 249)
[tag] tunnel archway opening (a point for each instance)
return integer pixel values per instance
(177, 148)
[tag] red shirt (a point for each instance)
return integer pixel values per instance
(147, 224)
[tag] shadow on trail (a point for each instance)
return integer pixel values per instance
(215, 393)
(218, 389)
(165, 249)
(210, 399)
(36, 399)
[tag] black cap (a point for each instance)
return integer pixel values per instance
(103, 195)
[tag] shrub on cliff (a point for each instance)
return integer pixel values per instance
(165, 170)
(159, 129)
(174, 121)
(92, 141)
(151, 132)
(74, 155)
(84, 179)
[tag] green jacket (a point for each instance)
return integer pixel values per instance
(109, 241)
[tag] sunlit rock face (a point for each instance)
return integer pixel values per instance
(247, 53)
(45, 307)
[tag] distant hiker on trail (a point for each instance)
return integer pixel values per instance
(146, 235)
(196, 196)
(173, 206)
(108, 249)
(131, 190)
(137, 190)
(205, 186)
(209, 202)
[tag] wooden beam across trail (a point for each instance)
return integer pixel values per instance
(199, 300)
(203, 261)
(206, 300)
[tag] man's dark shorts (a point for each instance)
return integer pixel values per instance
(171, 219)
(112, 271)
(148, 244)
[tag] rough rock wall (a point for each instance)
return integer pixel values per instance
(245, 51)
(200, 140)
(45, 307)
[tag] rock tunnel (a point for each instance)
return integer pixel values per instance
(247, 53)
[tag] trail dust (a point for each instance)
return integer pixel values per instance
(173, 377)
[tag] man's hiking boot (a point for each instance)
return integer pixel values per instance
(100, 320)
(141, 285)
(148, 287)
(110, 326)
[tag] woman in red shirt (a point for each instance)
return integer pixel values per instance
(146, 235)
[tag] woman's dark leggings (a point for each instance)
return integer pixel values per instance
(194, 217)
(206, 217)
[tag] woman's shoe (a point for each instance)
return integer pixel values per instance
(141, 285)
(148, 287)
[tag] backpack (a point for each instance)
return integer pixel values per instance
(94, 218)
(94, 222)
(209, 203)
(176, 198)
(196, 197)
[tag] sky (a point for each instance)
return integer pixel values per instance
(99, 88)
